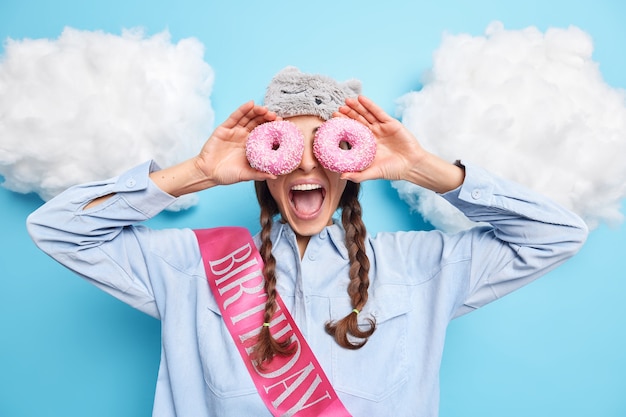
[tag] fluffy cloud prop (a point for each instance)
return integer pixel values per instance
(89, 105)
(529, 106)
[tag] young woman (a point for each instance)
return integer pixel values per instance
(374, 310)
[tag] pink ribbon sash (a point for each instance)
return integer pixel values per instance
(289, 386)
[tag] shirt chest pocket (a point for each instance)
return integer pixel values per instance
(224, 371)
(379, 368)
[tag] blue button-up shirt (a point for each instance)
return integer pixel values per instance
(419, 282)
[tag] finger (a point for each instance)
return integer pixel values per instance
(261, 176)
(259, 115)
(356, 106)
(373, 109)
(358, 177)
(236, 117)
(354, 114)
(249, 115)
(251, 118)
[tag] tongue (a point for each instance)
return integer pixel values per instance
(307, 202)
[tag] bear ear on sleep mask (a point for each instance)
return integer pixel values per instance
(340, 145)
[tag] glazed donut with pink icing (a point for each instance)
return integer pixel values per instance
(275, 147)
(329, 146)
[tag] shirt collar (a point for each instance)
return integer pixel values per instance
(335, 231)
(338, 237)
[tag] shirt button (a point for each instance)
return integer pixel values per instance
(130, 183)
(476, 194)
(323, 234)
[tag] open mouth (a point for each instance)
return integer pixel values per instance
(307, 199)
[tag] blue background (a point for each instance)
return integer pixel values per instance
(554, 348)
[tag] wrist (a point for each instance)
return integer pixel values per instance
(184, 178)
(436, 174)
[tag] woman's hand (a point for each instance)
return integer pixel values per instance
(399, 156)
(223, 157)
(397, 150)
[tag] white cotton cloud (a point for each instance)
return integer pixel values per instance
(530, 106)
(90, 105)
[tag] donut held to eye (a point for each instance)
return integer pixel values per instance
(275, 147)
(344, 145)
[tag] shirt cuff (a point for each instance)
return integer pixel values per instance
(139, 191)
(477, 189)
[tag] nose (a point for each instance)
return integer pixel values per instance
(308, 162)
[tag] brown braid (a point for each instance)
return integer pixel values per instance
(352, 222)
(267, 347)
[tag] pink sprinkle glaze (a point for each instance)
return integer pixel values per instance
(275, 147)
(328, 138)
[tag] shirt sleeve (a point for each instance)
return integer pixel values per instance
(528, 235)
(100, 243)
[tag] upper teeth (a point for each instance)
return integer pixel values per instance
(306, 187)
